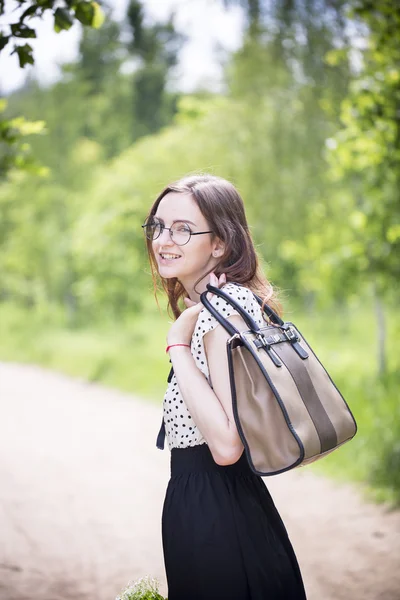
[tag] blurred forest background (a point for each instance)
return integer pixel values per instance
(307, 125)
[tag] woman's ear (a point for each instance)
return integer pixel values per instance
(219, 248)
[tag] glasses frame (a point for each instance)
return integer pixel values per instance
(162, 227)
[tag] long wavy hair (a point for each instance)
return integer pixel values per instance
(223, 209)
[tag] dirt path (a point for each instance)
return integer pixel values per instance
(81, 492)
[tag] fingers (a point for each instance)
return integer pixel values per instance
(216, 282)
(189, 302)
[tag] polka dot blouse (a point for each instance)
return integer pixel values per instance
(180, 429)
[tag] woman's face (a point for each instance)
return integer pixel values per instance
(195, 258)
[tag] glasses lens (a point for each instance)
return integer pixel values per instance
(180, 233)
(152, 230)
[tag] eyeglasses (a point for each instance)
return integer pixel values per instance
(180, 231)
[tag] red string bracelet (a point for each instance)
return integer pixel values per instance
(168, 347)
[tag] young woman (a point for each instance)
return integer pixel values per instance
(223, 538)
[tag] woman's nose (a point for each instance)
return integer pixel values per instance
(165, 237)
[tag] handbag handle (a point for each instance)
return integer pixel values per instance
(246, 317)
(230, 328)
(268, 310)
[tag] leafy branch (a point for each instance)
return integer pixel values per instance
(65, 13)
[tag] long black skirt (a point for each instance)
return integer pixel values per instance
(223, 538)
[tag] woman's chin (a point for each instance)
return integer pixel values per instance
(168, 272)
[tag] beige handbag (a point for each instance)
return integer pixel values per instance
(287, 409)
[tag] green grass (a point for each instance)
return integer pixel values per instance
(130, 356)
(373, 456)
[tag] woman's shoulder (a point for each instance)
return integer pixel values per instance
(241, 294)
(237, 290)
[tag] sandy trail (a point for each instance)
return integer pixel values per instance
(81, 493)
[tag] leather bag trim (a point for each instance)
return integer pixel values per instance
(312, 403)
(331, 380)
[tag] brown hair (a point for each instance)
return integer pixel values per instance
(223, 209)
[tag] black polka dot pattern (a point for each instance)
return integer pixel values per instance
(180, 429)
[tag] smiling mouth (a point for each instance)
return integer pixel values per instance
(167, 256)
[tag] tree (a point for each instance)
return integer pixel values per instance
(366, 154)
(355, 239)
(65, 12)
(366, 151)
(290, 97)
(15, 151)
(156, 48)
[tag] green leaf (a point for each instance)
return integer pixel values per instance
(84, 12)
(24, 55)
(20, 30)
(99, 16)
(63, 19)
(4, 39)
(393, 233)
(29, 12)
(25, 127)
(45, 3)
(89, 13)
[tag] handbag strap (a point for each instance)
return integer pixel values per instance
(290, 336)
(250, 322)
(268, 310)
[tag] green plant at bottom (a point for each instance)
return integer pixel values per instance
(142, 589)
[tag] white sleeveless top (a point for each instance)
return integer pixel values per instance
(180, 429)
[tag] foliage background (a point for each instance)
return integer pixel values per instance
(307, 126)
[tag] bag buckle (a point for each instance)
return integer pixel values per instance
(291, 335)
(235, 336)
(262, 340)
(267, 347)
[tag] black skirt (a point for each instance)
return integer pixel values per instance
(223, 538)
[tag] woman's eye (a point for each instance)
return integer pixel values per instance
(181, 227)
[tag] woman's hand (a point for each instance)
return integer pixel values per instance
(181, 330)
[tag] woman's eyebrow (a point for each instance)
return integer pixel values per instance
(176, 220)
